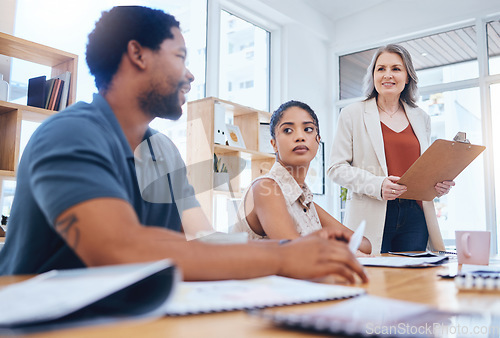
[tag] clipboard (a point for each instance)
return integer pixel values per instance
(442, 161)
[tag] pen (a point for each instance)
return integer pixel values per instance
(357, 237)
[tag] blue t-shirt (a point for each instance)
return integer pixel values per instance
(78, 155)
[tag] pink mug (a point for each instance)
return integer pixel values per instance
(473, 247)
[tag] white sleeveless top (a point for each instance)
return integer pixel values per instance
(299, 202)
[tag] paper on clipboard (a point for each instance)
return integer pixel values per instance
(442, 161)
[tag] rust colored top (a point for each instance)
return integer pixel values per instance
(401, 150)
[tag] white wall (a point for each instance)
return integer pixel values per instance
(7, 15)
(306, 79)
(304, 63)
(400, 19)
(284, 12)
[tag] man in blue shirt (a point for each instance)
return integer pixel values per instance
(84, 199)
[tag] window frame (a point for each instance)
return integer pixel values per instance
(213, 47)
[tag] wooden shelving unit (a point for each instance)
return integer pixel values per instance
(201, 149)
(11, 114)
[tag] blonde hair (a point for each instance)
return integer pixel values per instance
(410, 92)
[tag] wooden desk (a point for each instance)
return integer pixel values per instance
(416, 285)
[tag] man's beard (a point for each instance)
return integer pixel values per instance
(162, 106)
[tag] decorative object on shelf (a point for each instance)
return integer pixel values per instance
(3, 225)
(219, 166)
(4, 89)
(243, 160)
(265, 138)
(234, 137)
(221, 176)
(221, 181)
(219, 123)
(315, 178)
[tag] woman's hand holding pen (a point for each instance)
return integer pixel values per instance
(444, 187)
(390, 189)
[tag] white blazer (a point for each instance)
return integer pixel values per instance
(357, 162)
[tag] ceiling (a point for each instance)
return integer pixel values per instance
(338, 9)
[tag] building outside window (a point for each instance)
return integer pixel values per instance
(244, 61)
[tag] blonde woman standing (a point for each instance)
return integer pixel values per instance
(376, 141)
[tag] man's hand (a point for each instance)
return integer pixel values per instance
(335, 234)
(320, 254)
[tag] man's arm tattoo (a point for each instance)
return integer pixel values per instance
(69, 231)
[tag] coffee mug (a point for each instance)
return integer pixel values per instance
(473, 247)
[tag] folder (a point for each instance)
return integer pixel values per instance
(442, 161)
(37, 91)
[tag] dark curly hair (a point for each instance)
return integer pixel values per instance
(278, 114)
(116, 27)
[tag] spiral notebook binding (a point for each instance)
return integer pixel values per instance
(488, 281)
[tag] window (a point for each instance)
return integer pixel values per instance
(493, 31)
(495, 109)
(450, 112)
(244, 60)
(352, 70)
(7, 188)
(440, 58)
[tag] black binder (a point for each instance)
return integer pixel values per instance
(37, 92)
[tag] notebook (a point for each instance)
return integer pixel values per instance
(68, 298)
(402, 262)
(256, 293)
(486, 281)
(382, 317)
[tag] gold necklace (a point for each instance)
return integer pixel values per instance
(390, 115)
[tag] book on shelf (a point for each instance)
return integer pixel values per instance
(36, 91)
(50, 94)
(49, 86)
(66, 78)
(55, 96)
